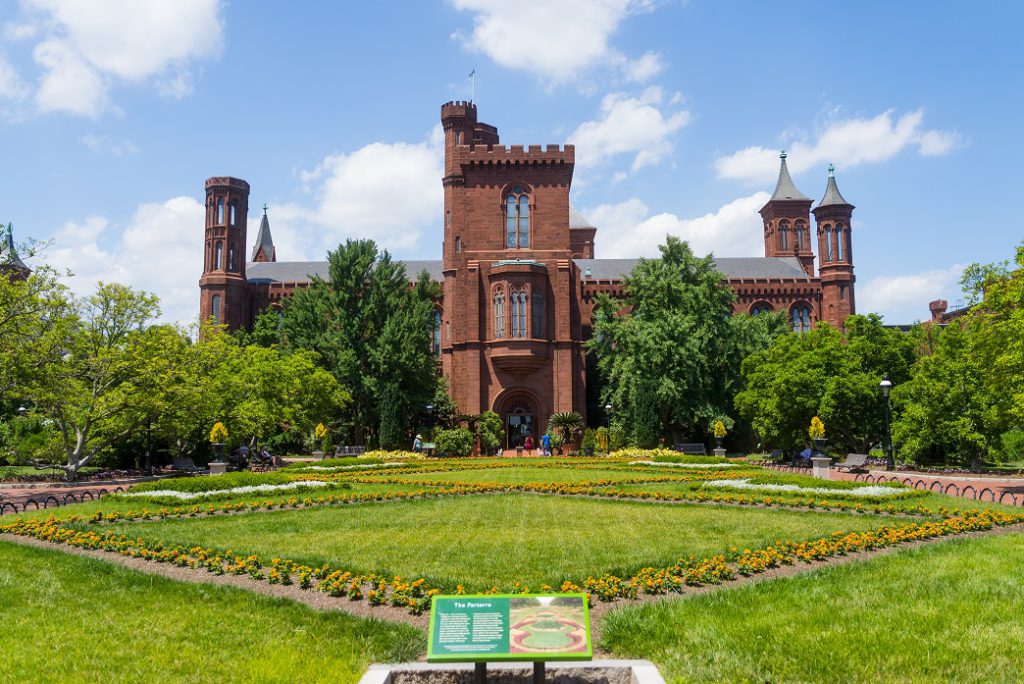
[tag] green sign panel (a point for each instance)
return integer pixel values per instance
(509, 627)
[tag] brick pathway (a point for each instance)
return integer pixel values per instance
(15, 498)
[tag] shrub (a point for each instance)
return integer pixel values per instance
(616, 437)
(454, 442)
(589, 440)
(490, 430)
(1013, 446)
(193, 484)
(601, 439)
(817, 429)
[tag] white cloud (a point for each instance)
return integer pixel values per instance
(389, 192)
(89, 46)
(101, 144)
(904, 298)
(644, 68)
(627, 230)
(555, 40)
(11, 85)
(847, 142)
(160, 251)
(629, 125)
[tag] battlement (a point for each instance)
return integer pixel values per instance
(463, 109)
(516, 154)
(226, 182)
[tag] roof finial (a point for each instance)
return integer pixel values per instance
(782, 155)
(831, 169)
(264, 208)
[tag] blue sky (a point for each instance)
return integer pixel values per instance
(114, 112)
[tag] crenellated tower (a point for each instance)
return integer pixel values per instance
(787, 221)
(224, 295)
(835, 254)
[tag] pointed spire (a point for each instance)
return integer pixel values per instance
(264, 249)
(785, 189)
(832, 196)
(8, 254)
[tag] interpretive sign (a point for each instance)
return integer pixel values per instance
(536, 627)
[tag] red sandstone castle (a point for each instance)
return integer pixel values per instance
(520, 274)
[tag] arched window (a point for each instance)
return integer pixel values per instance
(220, 211)
(499, 313)
(458, 244)
(215, 313)
(218, 260)
(233, 215)
(231, 258)
(783, 234)
(517, 218)
(437, 333)
(760, 308)
(828, 243)
(839, 242)
(801, 235)
(801, 317)
(518, 301)
(537, 314)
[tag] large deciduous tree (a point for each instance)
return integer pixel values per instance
(373, 333)
(670, 350)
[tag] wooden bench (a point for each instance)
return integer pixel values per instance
(692, 449)
(853, 462)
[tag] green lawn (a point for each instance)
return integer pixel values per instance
(67, 618)
(947, 612)
(480, 541)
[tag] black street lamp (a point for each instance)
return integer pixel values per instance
(890, 461)
(608, 416)
(21, 411)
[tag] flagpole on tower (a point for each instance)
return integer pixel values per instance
(472, 80)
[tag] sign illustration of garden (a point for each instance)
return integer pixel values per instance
(509, 627)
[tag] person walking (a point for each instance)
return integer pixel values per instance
(417, 444)
(545, 444)
(528, 445)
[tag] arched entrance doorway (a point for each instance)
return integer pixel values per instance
(519, 423)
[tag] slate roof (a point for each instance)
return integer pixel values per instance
(577, 220)
(785, 189)
(9, 255)
(832, 196)
(264, 240)
(599, 269)
(303, 271)
(732, 267)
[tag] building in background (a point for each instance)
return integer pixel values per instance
(520, 271)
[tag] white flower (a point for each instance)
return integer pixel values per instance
(857, 491)
(186, 496)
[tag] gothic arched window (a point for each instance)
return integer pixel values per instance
(215, 313)
(234, 218)
(499, 313)
(828, 243)
(231, 258)
(760, 308)
(220, 211)
(839, 242)
(437, 333)
(783, 234)
(218, 260)
(801, 318)
(518, 301)
(517, 218)
(801, 235)
(537, 314)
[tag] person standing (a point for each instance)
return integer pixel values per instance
(545, 444)
(417, 444)
(528, 445)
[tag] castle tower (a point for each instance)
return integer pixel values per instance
(787, 224)
(223, 294)
(511, 326)
(264, 249)
(835, 254)
(10, 263)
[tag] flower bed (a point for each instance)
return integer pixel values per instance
(343, 468)
(415, 595)
(299, 485)
(865, 491)
(671, 464)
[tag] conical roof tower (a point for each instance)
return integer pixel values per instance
(8, 254)
(787, 221)
(264, 249)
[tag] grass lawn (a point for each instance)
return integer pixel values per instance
(947, 612)
(67, 618)
(480, 541)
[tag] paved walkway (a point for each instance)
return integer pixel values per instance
(15, 498)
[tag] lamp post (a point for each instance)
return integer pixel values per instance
(890, 462)
(430, 424)
(608, 416)
(21, 411)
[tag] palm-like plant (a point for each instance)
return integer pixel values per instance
(568, 424)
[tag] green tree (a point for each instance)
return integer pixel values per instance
(671, 350)
(490, 430)
(373, 333)
(567, 425)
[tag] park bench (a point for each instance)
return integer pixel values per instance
(693, 449)
(349, 451)
(853, 462)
